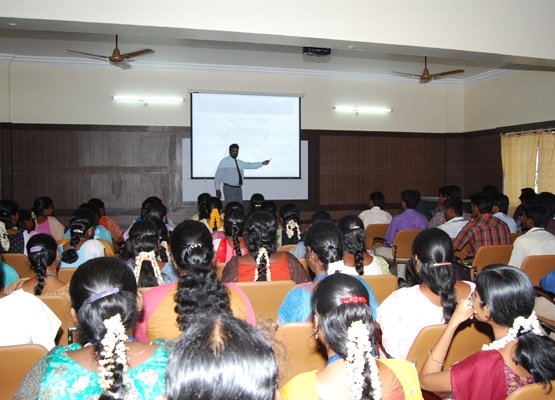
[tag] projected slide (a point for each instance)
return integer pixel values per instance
(264, 127)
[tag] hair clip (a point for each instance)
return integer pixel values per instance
(442, 264)
(100, 295)
(353, 300)
(77, 231)
(35, 249)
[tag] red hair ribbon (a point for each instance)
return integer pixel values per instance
(353, 300)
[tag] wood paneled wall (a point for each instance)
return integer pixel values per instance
(125, 164)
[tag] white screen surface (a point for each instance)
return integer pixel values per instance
(264, 127)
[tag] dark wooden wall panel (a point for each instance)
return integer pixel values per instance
(482, 161)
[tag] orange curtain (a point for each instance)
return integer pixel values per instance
(546, 175)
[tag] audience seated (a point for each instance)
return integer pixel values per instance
(483, 229)
(107, 361)
(445, 193)
(151, 209)
(263, 263)
(324, 245)
(290, 219)
(11, 238)
(500, 209)
(520, 355)
(45, 260)
(548, 200)
(453, 217)
(116, 232)
(230, 242)
(255, 203)
(536, 241)
(214, 209)
(222, 358)
(169, 309)
(526, 195)
(146, 261)
(343, 322)
(26, 225)
(299, 250)
(81, 246)
(45, 222)
(375, 214)
(202, 201)
(407, 310)
(355, 258)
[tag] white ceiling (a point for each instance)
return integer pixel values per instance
(26, 43)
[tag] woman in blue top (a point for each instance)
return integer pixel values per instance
(106, 362)
(81, 245)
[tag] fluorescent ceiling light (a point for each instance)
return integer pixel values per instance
(362, 109)
(149, 99)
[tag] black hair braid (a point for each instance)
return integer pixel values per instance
(535, 354)
(235, 236)
(70, 255)
(117, 387)
(261, 267)
(199, 293)
(147, 277)
(359, 261)
(443, 284)
(41, 276)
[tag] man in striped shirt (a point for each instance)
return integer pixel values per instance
(483, 229)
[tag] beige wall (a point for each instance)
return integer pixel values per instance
(4, 93)
(512, 99)
(82, 95)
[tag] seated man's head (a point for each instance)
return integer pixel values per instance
(500, 204)
(482, 203)
(535, 215)
(410, 198)
(377, 199)
(453, 207)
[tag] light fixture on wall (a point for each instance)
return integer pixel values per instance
(149, 99)
(362, 109)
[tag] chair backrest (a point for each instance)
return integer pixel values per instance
(381, 285)
(372, 231)
(15, 362)
(219, 269)
(286, 247)
(301, 350)
(514, 236)
(20, 263)
(494, 254)
(304, 263)
(468, 339)
(403, 240)
(535, 391)
(60, 306)
(537, 267)
(65, 274)
(266, 297)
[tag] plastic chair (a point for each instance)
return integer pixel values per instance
(494, 254)
(20, 263)
(402, 246)
(381, 285)
(301, 350)
(60, 306)
(220, 269)
(374, 231)
(15, 362)
(286, 247)
(535, 391)
(536, 267)
(266, 297)
(65, 274)
(468, 339)
(304, 263)
(514, 236)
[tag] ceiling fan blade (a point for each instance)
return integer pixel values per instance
(405, 74)
(137, 53)
(97, 56)
(122, 64)
(446, 73)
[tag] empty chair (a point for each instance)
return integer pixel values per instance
(401, 249)
(381, 285)
(20, 263)
(494, 254)
(15, 362)
(266, 297)
(301, 350)
(374, 231)
(536, 267)
(65, 274)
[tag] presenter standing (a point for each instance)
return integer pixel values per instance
(230, 173)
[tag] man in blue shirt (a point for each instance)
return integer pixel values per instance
(230, 173)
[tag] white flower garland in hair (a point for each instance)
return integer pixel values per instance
(289, 229)
(263, 254)
(359, 351)
(113, 351)
(164, 245)
(150, 256)
(526, 324)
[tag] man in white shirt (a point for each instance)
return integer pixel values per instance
(453, 211)
(375, 215)
(499, 210)
(230, 173)
(536, 241)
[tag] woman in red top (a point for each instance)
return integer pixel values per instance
(263, 263)
(230, 242)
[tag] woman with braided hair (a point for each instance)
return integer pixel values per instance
(343, 324)
(45, 222)
(81, 246)
(196, 294)
(355, 257)
(107, 363)
(230, 242)
(407, 310)
(290, 222)
(263, 263)
(521, 353)
(213, 212)
(44, 260)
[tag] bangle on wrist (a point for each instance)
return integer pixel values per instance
(433, 359)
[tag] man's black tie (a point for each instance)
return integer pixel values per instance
(239, 172)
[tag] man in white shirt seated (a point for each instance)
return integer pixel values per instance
(499, 210)
(536, 241)
(453, 210)
(375, 215)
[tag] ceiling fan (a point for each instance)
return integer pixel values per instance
(426, 77)
(117, 59)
